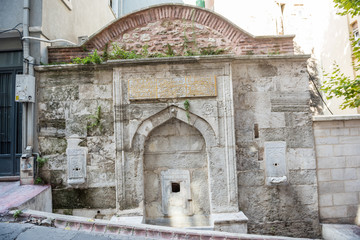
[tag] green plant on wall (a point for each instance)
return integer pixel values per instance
(40, 162)
(189, 48)
(39, 181)
(17, 214)
(95, 120)
(187, 109)
(337, 83)
(92, 58)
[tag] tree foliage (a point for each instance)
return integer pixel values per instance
(337, 84)
(351, 7)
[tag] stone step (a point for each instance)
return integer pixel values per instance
(134, 230)
(340, 232)
(16, 196)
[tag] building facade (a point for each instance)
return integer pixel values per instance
(181, 140)
(43, 21)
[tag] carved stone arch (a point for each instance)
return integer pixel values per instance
(149, 124)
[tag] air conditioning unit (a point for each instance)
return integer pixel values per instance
(25, 88)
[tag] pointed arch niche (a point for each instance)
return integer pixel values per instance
(210, 116)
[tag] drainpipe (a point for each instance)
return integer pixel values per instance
(27, 161)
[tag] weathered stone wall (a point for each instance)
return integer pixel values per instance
(271, 101)
(66, 101)
(264, 98)
(337, 141)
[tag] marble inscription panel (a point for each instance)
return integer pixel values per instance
(175, 87)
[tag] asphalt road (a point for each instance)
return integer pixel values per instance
(26, 231)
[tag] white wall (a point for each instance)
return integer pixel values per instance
(318, 29)
(85, 18)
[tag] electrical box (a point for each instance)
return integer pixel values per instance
(25, 88)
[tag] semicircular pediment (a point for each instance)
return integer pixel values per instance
(180, 29)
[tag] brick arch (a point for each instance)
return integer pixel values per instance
(168, 11)
(239, 41)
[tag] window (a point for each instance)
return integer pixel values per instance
(355, 31)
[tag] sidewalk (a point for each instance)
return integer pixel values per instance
(13, 196)
(26, 231)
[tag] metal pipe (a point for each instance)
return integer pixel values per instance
(26, 46)
(49, 41)
(26, 51)
(28, 68)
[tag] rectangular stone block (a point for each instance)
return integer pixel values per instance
(73, 226)
(322, 132)
(307, 194)
(328, 124)
(325, 200)
(326, 140)
(289, 102)
(331, 162)
(352, 123)
(301, 158)
(340, 132)
(125, 230)
(324, 151)
(99, 228)
(333, 212)
(86, 227)
(352, 211)
(349, 139)
(302, 177)
(354, 131)
(345, 198)
(343, 174)
(92, 91)
(113, 229)
(352, 186)
(251, 178)
(331, 187)
(324, 175)
(60, 223)
(347, 149)
(353, 162)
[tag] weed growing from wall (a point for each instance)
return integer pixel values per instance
(40, 162)
(187, 109)
(95, 120)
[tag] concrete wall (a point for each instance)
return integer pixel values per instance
(52, 19)
(337, 141)
(134, 5)
(11, 13)
(41, 202)
(84, 18)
